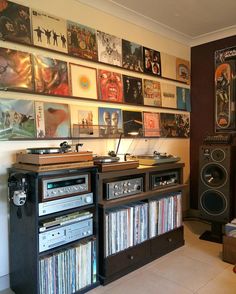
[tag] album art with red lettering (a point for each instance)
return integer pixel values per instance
(82, 41)
(110, 86)
(151, 124)
(16, 119)
(52, 120)
(15, 22)
(152, 92)
(132, 56)
(51, 76)
(49, 31)
(16, 70)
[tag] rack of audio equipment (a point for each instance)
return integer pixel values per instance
(140, 217)
(53, 231)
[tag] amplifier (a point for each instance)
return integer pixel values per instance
(161, 179)
(124, 188)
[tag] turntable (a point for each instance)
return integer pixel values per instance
(156, 158)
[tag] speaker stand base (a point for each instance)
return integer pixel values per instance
(210, 236)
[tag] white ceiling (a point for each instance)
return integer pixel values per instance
(188, 21)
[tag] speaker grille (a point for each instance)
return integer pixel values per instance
(218, 155)
(214, 175)
(213, 202)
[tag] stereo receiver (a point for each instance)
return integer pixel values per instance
(160, 179)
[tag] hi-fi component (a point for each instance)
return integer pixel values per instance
(169, 178)
(124, 188)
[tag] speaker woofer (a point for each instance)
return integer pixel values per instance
(213, 202)
(214, 175)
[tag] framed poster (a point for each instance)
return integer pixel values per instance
(183, 98)
(168, 95)
(16, 119)
(152, 61)
(15, 22)
(83, 81)
(133, 90)
(110, 86)
(82, 41)
(109, 49)
(49, 31)
(51, 76)
(110, 122)
(152, 92)
(183, 70)
(132, 123)
(151, 121)
(16, 70)
(52, 120)
(132, 56)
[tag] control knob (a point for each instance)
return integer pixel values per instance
(88, 199)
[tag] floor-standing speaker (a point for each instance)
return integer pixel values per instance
(217, 184)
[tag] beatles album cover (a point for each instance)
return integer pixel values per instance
(183, 98)
(109, 49)
(132, 56)
(16, 119)
(51, 76)
(83, 81)
(132, 123)
(15, 22)
(84, 121)
(110, 86)
(52, 120)
(15, 70)
(110, 121)
(168, 66)
(168, 95)
(49, 31)
(133, 90)
(175, 125)
(151, 122)
(152, 61)
(82, 41)
(183, 70)
(152, 92)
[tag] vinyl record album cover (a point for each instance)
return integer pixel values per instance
(133, 90)
(132, 123)
(183, 98)
(16, 119)
(168, 66)
(152, 61)
(49, 31)
(168, 95)
(15, 22)
(110, 86)
(109, 49)
(152, 92)
(132, 56)
(82, 41)
(183, 70)
(51, 76)
(151, 124)
(52, 120)
(175, 125)
(16, 70)
(110, 121)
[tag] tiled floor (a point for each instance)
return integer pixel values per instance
(196, 267)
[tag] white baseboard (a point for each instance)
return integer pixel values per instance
(4, 282)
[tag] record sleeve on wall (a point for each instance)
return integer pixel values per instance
(51, 76)
(16, 70)
(168, 66)
(152, 92)
(175, 125)
(16, 119)
(183, 70)
(152, 61)
(82, 41)
(132, 123)
(151, 122)
(133, 90)
(132, 56)
(183, 98)
(49, 31)
(15, 22)
(168, 95)
(110, 121)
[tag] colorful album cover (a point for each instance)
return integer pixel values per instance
(151, 121)
(183, 98)
(84, 121)
(168, 66)
(49, 31)
(82, 41)
(133, 90)
(168, 95)
(83, 81)
(16, 119)
(15, 70)
(175, 125)
(52, 120)
(110, 122)
(152, 92)
(152, 61)
(51, 76)
(132, 54)
(132, 123)
(183, 70)
(110, 86)
(15, 22)
(109, 49)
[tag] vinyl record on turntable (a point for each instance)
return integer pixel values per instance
(105, 159)
(44, 150)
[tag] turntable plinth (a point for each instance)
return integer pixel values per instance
(44, 159)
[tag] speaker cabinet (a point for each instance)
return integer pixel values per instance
(216, 201)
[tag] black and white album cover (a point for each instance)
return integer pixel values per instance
(132, 54)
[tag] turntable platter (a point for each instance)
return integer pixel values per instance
(44, 150)
(105, 159)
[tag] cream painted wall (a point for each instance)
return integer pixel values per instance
(73, 10)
